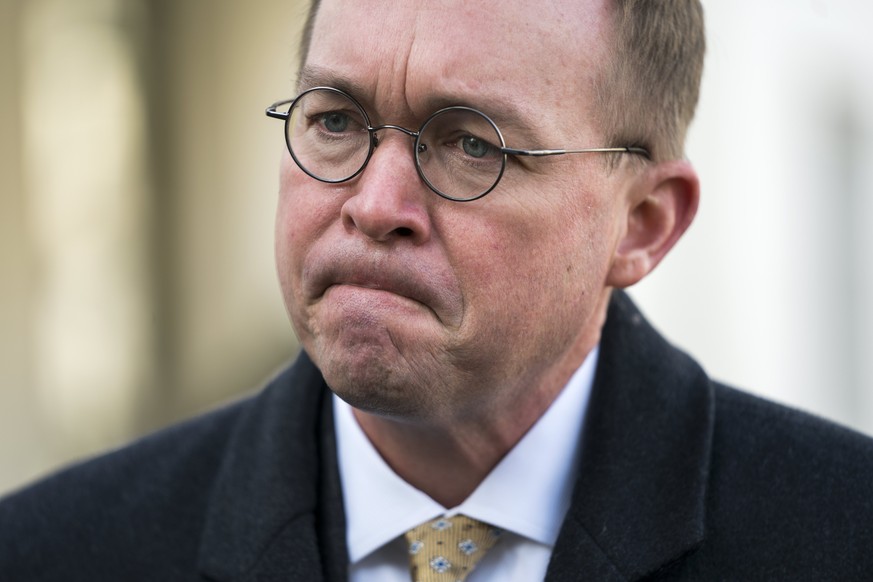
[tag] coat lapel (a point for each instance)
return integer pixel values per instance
(331, 517)
(265, 519)
(638, 504)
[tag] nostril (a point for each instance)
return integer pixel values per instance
(403, 231)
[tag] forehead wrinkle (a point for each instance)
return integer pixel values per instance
(520, 100)
(384, 38)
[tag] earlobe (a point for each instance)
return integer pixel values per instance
(662, 204)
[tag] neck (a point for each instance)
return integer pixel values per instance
(448, 458)
(426, 456)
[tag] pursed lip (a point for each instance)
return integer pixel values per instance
(383, 271)
(388, 284)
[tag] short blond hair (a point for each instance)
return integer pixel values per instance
(647, 94)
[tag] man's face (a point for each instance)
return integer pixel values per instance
(414, 306)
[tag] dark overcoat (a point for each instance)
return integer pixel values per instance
(681, 479)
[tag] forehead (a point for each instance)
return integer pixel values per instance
(406, 54)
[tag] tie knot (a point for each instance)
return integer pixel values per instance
(448, 548)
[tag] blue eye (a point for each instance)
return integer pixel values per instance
(335, 121)
(475, 147)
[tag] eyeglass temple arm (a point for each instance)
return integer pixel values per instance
(273, 110)
(541, 153)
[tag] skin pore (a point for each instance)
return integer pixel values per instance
(451, 327)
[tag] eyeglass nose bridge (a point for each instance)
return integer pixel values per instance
(418, 148)
(413, 134)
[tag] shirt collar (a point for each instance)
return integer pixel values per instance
(380, 506)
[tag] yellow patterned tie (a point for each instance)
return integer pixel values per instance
(448, 548)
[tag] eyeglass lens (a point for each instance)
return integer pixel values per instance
(327, 135)
(457, 152)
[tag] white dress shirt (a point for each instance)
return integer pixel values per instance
(526, 495)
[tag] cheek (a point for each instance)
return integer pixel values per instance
(289, 234)
(287, 252)
(545, 264)
(501, 267)
(304, 213)
(301, 218)
(286, 235)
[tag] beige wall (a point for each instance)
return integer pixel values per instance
(137, 187)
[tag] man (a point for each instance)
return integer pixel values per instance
(454, 283)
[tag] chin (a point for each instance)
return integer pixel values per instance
(380, 399)
(373, 384)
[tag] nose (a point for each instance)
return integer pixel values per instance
(390, 200)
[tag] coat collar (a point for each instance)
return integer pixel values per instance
(639, 501)
(276, 505)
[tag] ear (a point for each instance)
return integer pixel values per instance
(662, 202)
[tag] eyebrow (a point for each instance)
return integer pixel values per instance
(313, 76)
(508, 116)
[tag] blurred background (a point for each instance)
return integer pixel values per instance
(138, 179)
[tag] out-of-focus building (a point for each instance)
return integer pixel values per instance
(138, 180)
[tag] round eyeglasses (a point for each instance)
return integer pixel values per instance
(459, 152)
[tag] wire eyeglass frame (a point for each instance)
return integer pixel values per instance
(418, 147)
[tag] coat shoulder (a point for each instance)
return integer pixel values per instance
(141, 508)
(788, 493)
(754, 437)
(86, 519)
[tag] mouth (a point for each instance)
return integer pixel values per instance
(384, 273)
(381, 286)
